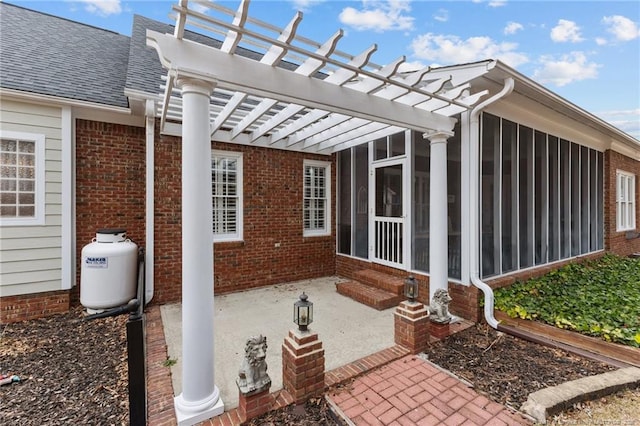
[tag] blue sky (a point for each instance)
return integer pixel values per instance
(588, 52)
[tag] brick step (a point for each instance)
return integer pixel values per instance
(380, 280)
(370, 296)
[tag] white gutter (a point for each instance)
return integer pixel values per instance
(474, 139)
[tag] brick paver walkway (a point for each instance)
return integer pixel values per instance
(411, 391)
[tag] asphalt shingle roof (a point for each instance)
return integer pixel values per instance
(45, 54)
(145, 70)
(48, 55)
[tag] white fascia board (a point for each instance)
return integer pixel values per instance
(77, 105)
(626, 150)
(234, 72)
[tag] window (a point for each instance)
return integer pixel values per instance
(625, 202)
(21, 178)
(226, 177)
(317, 195)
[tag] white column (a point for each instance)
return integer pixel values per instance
(438, 212)
(200, 397)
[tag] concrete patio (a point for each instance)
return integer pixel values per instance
(348, 330)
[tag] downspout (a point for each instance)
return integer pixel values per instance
(474, 139)
(150, 121)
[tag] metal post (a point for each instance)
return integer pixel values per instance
(136, 350)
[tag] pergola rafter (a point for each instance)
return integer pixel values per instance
(281, 90)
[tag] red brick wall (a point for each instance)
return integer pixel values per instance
(168, 219)
(614, 241)
(272, 185)
(31, 306)
(110, 182)
(465, 301)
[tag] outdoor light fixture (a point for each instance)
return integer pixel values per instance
(411, 288)
(303, 312)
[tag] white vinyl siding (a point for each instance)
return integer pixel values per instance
(317, 198)
(31, 256)
(625, 201)
(226, 177)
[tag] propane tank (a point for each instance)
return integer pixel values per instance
(109, 270)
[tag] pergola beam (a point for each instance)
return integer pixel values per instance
(234, 72)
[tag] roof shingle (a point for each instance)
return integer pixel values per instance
(48, 55)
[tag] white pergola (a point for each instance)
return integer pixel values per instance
(266, 86)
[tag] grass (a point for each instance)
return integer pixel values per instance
(598, 298)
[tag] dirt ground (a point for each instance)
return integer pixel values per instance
(75, 372)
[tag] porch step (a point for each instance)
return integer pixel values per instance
(380, 280)
(370, 296)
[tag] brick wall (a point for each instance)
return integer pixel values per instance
(110, 183)
(272, 185)
(465, 301)
(31, 306)
(614, 241)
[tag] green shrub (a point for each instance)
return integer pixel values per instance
(597, 298)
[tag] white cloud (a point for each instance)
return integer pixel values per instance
(102, 7)
(198, 7)
(623, 29)
(442, 15)
(566, 31)
(601, 41)
(492, 3)
(450, 49)
(626, 120)
(512, 28)
(305, 5)
(379, 16)
(567, 69)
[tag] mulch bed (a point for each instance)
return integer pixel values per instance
(75, 372)
(316, 411)
(71, 371)
(507, 368)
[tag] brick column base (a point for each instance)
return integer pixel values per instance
(254, 405)
(438, 330)
(302, 365)
(411, 326)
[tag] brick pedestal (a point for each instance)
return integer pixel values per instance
(254, 405)
(302, 365)
(438, 330)
(412, 326)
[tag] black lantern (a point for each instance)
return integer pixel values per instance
(411, 288)
(303, 312)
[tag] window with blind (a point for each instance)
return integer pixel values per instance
(226, 182)
(317, 198)
(21, 178)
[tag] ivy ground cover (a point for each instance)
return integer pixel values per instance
(598, 298)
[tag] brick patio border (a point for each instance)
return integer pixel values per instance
(160, 408)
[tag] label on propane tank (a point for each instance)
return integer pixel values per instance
(96, 262)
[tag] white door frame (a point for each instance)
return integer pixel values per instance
(405, 218)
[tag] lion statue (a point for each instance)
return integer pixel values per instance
(439, 307)
(253, 377)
